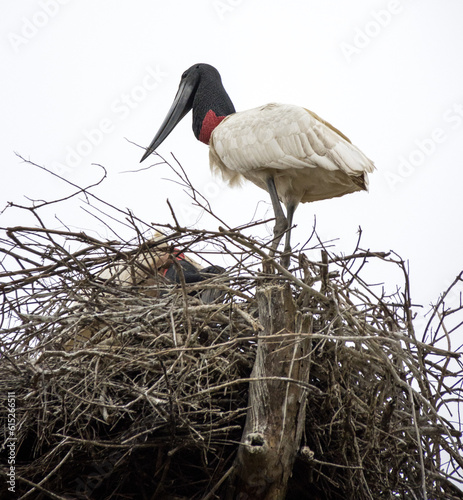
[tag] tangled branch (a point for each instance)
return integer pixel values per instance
(130, 385)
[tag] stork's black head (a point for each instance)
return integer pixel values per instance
(200, 89)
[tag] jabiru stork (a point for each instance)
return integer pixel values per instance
(287, 150)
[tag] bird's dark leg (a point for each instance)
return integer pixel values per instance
(290, 208)
(281, 222)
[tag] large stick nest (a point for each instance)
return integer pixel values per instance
(137, 388)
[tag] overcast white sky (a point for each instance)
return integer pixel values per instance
(81, 77)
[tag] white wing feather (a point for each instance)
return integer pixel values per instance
(293, 145)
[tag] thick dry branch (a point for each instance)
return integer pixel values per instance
(276, 414)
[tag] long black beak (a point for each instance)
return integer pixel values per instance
(183, 102)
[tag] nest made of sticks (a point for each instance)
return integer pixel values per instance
(137, 388)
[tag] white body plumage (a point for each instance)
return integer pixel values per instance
(307, 157)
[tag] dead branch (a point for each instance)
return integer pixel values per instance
(306, 384)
